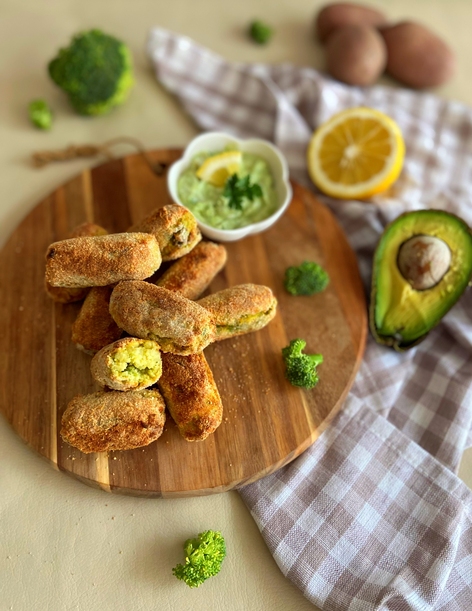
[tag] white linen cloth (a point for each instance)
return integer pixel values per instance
(371, 516)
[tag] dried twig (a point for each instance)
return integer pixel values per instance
(43, 158)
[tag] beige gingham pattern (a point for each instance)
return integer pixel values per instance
(372, 515)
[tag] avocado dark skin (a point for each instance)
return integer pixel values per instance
(421, 267)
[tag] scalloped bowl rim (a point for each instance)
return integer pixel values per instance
(273, 156)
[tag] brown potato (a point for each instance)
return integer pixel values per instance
(356, 55)
(416, 56)
(337, 15)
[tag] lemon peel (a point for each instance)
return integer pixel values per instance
(218, 168)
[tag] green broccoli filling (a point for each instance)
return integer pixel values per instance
(136, 363)
(249, 322)
(180, 235)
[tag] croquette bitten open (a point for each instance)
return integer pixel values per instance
(127, 364)
(175, 229)
(151, 312)
(102, 260)
(106, 421)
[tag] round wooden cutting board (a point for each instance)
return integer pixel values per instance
(266, 422)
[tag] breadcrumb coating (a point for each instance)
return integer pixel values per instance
(240, 309)
(191, 395)
(193, 273)
(151, 312)
(72, 294)
(105, 421)
(175, 229)
(94, 327)
(102, 260)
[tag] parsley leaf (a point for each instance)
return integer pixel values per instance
(236, 189)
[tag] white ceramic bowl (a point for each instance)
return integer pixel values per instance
(217, 141)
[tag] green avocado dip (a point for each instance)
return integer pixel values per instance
(211, 207)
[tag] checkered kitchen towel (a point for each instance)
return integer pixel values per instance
(372, 515)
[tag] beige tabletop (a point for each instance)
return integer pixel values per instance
(63, 545)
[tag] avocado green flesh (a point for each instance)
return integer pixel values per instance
(136, 363)
(402, 315)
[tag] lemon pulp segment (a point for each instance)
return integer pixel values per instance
(356, 154)
(218, 168)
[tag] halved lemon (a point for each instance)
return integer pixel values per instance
(218, 168)
(357, 153)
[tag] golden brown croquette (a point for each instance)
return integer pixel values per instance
(102, 260)
(151, 312)
(191, 395)
(105, 421)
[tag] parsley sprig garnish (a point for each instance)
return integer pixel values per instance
(236, 189)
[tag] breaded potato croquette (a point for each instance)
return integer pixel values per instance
(240, 309)
(62, 294)
(102, 260)
(127, 364)
(94, 327)
(87, 229)
(106, 421)
(175, 229)
(151, 312)
(70, 295)
(192, 273)
(191, 395)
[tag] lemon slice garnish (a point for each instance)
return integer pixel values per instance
(218, 168)
(357, 153)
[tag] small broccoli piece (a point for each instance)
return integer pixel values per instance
(203, 558)
(300, 367)
(260, 32)
(40, 114)
(306, 279)
(95, 71)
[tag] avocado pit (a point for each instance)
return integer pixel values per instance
(423, 260)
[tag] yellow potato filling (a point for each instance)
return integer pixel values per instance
(249, 322)
(136, 363)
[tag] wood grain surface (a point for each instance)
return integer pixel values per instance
(266, 423)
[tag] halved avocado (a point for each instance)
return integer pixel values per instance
(401, 315)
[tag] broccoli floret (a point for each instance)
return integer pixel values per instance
(300, 367)
(40, 114)
(306, 279)
(95, 70)
(203, 558)
(260, 32)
